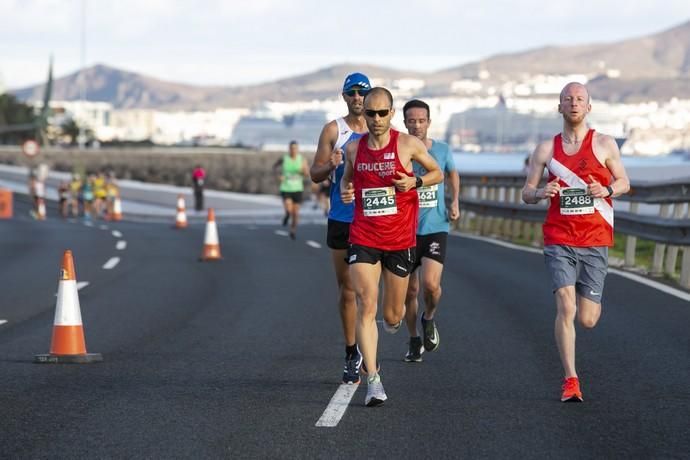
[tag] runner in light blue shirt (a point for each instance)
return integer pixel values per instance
(432, 233)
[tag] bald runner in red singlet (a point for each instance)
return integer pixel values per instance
(385, 219)
(378, 177)
(585, 173)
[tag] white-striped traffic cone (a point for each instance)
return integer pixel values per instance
(41, 211)
(211, 245)
(68, 344)
(181, 216)
(117, 209)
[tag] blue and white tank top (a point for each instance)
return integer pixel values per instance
(340, 211)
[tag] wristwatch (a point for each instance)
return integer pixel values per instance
(419, 182)
(608, 187)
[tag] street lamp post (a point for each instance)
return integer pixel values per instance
(81, 139)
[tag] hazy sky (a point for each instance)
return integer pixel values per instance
(250, 41)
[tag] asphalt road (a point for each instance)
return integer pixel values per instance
(239, 359)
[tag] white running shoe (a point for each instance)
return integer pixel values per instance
(391, 329)
(375, 394)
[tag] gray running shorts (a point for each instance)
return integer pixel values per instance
(584, 268)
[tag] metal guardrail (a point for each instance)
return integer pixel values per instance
(492, 205)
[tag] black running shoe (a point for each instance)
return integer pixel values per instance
(352, 365)
(285, 219)
(293, 235)
(431, 338)
(414, 354)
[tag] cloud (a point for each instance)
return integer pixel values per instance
(184, 36)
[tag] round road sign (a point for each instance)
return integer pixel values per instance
(30, 148)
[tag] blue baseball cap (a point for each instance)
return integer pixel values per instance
(356, 79)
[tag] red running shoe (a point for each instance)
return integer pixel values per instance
(571, 390)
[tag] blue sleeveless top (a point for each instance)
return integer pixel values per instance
(340, 211)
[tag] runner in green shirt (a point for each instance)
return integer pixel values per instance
(293, 169)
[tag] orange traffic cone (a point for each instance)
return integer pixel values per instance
(67, 344)
(211, 245)
(181, 216)
(117, 209)
(41, 209)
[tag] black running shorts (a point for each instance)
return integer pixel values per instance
(338, 234)
(432, 246)
(296, 197)
(399, 263)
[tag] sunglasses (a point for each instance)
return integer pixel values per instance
(353, 92)
(381, 113)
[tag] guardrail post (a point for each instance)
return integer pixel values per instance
(489, 220)
(479, 220)
(508, 193)
(685, 268)
(497, 222)
(672, 251)
(631, 241)
(517, 223)
(660, 248)
(464, 221)
(537, 229)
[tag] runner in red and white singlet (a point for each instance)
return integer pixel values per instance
(584, 221)
(585, 172)
(385, 218)
(378, 178)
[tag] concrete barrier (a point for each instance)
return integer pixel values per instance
(237, 170)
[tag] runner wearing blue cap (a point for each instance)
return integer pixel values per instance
(328, 164)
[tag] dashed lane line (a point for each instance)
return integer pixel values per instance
(337, 406)
(88, 224)
(121, 245)
(2, 321)
(313, 244)
(103, 227)
(117, 234)
(281, 233)
(111, 263)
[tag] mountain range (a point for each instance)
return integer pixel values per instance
(654, 67)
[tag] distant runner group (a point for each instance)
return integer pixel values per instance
(388, 221)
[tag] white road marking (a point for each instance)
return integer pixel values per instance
(88, 224)
(337, 406)
(313, 244)
(111, 263)
(117, 234)
(103, 227)
(631, 276)
(653, 284)
(2, 321)
(121, 244)
(281, 233)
